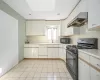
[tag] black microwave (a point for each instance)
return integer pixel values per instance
(65, 40)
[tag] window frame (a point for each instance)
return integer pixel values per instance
(57, 31)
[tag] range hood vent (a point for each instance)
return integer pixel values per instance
(80, 20)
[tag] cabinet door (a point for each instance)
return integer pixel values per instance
(29, 28)
(94, 14)
(28, 52)
(80, 69)
(53, 53)
(35, 27)
(43, 51)
(84, 71)
(64, 53)
(50, 53)
(35, 52)
(63, 28)
(95, 75)
(60, 53)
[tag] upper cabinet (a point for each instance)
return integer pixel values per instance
(94, 14)
(35, 28)
(39, 27)
(63, 28)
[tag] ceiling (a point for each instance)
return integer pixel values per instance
(43, 9)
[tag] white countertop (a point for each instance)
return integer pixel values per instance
(43, 43)
(37, 44)
(92, 52)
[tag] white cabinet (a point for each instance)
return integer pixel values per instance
(63, 28)
(35, 28)
(95, 62)
(53, 53)
(80, 69)
(60, 53)
(43, 51)
(73, 31)
(69, 31)
(84, 56)
(84, 71)
(64, 54)
(94, 14)
(50, 53)
(30, 52)
(95, 75)
(35, 52)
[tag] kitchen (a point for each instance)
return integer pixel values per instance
(39, 43)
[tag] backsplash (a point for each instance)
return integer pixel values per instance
(38, 39)
(85, 33)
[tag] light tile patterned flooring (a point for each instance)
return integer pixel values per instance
(38, 70)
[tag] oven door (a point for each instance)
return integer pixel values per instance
(72, 62)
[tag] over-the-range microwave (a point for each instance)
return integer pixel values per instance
(65, 40)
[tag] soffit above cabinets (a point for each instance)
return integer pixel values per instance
(43, 9)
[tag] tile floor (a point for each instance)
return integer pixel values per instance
(38, 70)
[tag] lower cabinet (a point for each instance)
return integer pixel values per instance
(64, 54)
(35, 52)
(30, 52)
(43, 51)
(95, 75)
(60, 53)
(53, 52)
(84, 71)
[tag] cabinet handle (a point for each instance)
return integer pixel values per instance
(98, 65)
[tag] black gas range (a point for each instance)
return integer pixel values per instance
(72, 54)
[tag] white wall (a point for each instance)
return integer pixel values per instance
(8, 42)
(21, 27)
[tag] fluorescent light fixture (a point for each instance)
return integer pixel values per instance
(41, 5)
(0, 70)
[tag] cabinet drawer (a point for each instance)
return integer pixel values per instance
(95, 62)
(84, 56)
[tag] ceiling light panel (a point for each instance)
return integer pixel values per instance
(42, 5)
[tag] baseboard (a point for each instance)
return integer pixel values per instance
(43, 59)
